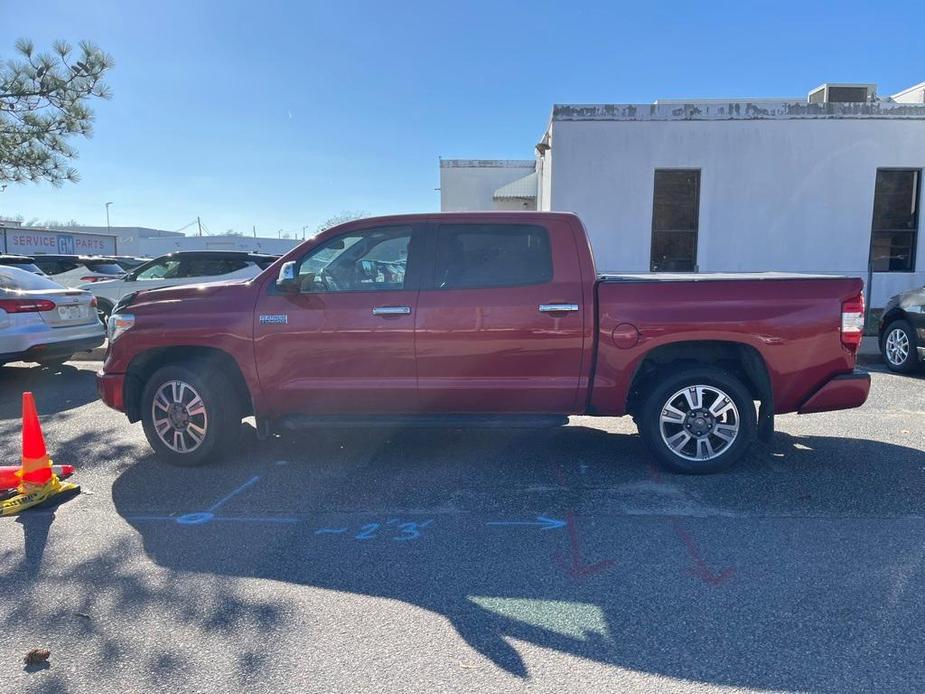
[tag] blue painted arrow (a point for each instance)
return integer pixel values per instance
(542, 521)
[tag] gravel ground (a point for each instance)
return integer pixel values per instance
(448, 561)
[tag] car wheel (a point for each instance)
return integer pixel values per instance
(899, 347)
(698, 420)
(190, 414)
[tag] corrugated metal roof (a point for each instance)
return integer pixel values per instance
(521, 189)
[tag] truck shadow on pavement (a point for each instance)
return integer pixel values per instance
(798, 570)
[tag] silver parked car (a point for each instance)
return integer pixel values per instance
(41, 321)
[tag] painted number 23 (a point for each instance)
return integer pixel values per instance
(405, 531)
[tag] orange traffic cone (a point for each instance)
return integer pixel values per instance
(36, 465)
(38, 482)
(10, 474)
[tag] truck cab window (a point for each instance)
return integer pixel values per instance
(492, 255)
(368, 260)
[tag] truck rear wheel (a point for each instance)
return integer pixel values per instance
(190, 414)
(698, 420)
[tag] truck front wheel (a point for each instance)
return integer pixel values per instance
(190, 415)
(698, 420)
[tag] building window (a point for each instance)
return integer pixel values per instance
(675, 211)
(896, 220)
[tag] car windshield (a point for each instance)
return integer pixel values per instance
(23, 280)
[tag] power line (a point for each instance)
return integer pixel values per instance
(186, 226)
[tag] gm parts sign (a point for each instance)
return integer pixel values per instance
(34, 242)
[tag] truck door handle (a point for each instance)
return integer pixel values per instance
(558, 308)
(391, 310)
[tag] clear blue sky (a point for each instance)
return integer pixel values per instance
(284, 114)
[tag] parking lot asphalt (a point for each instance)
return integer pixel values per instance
(448, 561)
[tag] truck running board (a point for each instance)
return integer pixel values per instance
(450, 421)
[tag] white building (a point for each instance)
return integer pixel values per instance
(829, 183)
(149, 243)
(486, 184)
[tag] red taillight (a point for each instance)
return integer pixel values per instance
(852, 322)
(26, 305)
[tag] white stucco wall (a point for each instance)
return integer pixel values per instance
(468, 184)
(788, 195)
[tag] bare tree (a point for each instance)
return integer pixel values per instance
(43, 103)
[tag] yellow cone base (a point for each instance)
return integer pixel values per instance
(34, 494)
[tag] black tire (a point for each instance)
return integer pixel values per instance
(221, 423)
(715, 431)
(892, 352)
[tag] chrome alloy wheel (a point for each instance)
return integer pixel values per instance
(897, 347)
(179, 416)
(699, 422)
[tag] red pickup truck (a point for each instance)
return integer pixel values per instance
(482, 319)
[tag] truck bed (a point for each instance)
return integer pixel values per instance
(791, 320)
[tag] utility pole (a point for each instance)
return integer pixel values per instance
(108, 227)
(255, 231)
(303, 231)
(200, 225)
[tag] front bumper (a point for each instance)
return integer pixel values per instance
(841, 393)
(111, 389)
(52, 350)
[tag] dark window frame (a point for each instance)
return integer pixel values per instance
(913, 233)
(695, 232)
(437, 235)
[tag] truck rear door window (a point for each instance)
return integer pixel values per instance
(470, 256)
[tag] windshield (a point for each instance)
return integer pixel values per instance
(15, 278)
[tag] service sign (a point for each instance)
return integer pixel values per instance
(34, 242)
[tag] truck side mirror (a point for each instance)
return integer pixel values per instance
(287, 281)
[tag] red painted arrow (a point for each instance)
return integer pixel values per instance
(700, 568)
(574, 565)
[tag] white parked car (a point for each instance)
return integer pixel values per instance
(182, 267)
(23, 262)
(75, 270)
(41, 321)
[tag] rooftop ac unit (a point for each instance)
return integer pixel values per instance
(830, 93)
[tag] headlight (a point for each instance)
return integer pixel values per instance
(118, 324)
